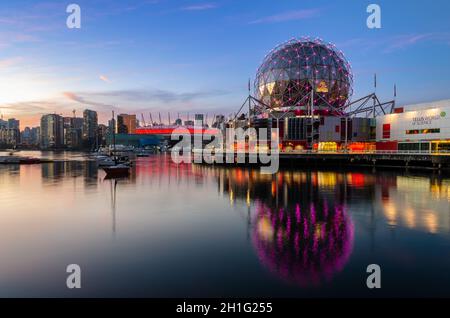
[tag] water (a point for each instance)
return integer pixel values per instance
(185, 231)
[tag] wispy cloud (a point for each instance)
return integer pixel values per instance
(404, 41)
(30, 107)
(143, 95)
(395, 43)
(80, 99)
(111, 8)
(5, 63)
(288, 16)
(200, 7)
(104, 78)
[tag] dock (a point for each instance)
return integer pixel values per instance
(17, 160)
(305, 158)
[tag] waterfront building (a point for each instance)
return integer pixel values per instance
(90, 129)
(307, 94)
(13, 123)
(35, 136)
(25, 136)
(126, 124)
(102, 134)
(3, 123)
(73, 138)
(73, 131)
(9, 137)
(52, 131)
(137, 140)
(422, 127)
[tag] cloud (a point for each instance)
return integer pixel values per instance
(80, 99)
(158, 95)
(288, 16)
(200, 7)
(5, 63)
(111, 8)
(404, 41)
(31, 107)
(104, 78)
(138, 100)
(394, 43)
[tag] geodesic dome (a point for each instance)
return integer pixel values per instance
(291, 70)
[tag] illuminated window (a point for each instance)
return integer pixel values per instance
(423, 131)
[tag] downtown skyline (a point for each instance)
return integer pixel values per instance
(197, 56)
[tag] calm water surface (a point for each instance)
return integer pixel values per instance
(189, 230)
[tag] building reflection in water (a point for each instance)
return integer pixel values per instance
(305, 246)
(301, 222)
(297, 221)
(419, 203)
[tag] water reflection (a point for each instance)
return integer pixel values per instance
(300, 231)
(305, 246)
(299, 228)
(300, 221)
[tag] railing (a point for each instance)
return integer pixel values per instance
(341, 152)
(370, 152)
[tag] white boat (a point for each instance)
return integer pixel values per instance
(105, 161)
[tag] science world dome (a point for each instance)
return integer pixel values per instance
(293, 69)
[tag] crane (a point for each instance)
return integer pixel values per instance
(143, 120)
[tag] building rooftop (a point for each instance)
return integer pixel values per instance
(427, 105)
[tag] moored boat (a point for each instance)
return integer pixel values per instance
(119, 170)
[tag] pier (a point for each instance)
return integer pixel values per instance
(306, 158)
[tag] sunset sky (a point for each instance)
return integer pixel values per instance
(190, 56)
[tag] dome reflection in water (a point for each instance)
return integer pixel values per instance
(304, 246)
(298, 222)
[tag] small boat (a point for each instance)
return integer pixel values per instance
(118, 170)
(106, 162)
(115, 166)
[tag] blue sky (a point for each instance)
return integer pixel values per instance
(188, 56)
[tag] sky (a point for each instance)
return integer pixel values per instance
(186, 56)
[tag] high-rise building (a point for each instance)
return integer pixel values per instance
(52, 131)
(3, 123)
(30, 136)
(35, 137)
(73, 129)
(126, 124)
(73, 138)
(25, 136)
(102, 134)
(90, 128)
(13, 123)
